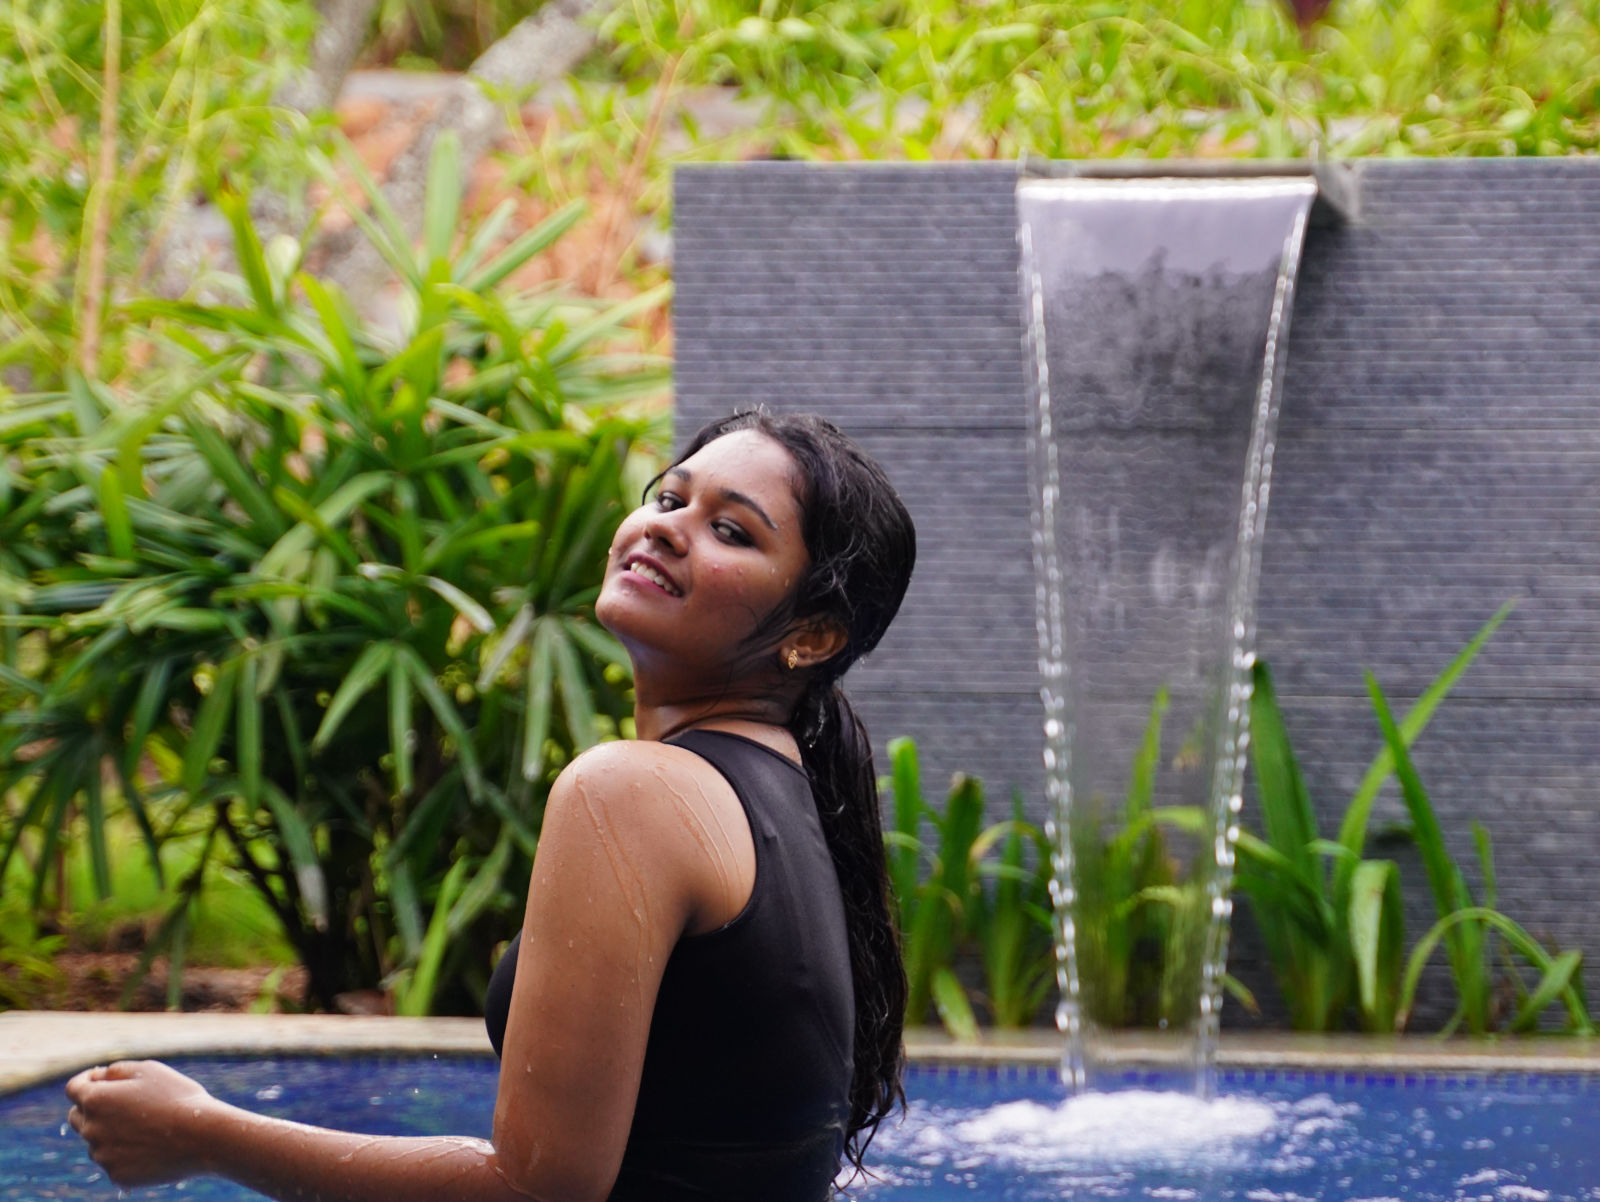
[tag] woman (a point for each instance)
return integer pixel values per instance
(707, 996)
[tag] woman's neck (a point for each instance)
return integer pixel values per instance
(772, 735)
(669, 698)
(744, 716)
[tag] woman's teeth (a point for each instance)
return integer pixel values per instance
(654, 577)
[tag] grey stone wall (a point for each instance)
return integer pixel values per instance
(1439, 454)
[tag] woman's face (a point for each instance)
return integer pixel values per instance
(718, 548)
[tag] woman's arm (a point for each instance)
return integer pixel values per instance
(146, 1123)
(637, 845)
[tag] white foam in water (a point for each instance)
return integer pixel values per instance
(1117, 1128)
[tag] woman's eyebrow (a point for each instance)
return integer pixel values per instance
(729, 494)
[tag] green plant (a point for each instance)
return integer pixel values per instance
(1466, 927)
(27, 958)
(1012, 919)
(975, 903)
(113, 116)
(229, 925)
(945, 78)
(1139, 918)
(1332, 920)
(956, 902)
(1335, 936)
(934, 907)
(325, 591)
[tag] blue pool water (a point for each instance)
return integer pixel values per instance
(994, 1134)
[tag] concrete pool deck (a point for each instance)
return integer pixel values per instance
(39, 1046)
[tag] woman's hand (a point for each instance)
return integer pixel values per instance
(137, 1116)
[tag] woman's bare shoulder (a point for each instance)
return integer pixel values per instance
(632, 761)
(670, 814)
(645, 779)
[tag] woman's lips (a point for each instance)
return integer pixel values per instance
(649, 570)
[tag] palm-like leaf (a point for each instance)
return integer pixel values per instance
(337, 589)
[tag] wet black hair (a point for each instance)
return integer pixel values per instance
(862, 546)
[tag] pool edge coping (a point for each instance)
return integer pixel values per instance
(41, 1046)
(38, 1046)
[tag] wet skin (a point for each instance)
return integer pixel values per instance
(642, 843)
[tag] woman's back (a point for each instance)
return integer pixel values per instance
(746, 1077)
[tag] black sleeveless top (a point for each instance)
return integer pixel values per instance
(745, 1091)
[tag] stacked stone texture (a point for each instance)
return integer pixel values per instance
(1438, 455)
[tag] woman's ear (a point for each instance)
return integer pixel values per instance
(812, 642)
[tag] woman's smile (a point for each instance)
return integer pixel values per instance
(721, 534)
(653, 573)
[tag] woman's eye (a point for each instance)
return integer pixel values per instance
(732, 533)
(668, 500)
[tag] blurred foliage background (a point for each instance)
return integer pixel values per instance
(295, 559)
(957, 78)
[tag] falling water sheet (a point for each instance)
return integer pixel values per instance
(1156, 317)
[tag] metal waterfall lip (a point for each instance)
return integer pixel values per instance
(1339, 182)
(1139, 190)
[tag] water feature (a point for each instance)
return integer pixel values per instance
(1156, 316)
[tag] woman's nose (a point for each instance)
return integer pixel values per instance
(663, 531)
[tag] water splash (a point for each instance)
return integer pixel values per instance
(1124, 1143)
(1117, 1129)
(1155, 318)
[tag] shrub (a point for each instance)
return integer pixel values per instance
(971, 893)
(1332, 920)
(328, 589)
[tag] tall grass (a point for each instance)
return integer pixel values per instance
(1333, 920)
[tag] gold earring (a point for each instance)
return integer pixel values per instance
(794, 659)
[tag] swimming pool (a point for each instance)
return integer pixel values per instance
(996, 1133)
